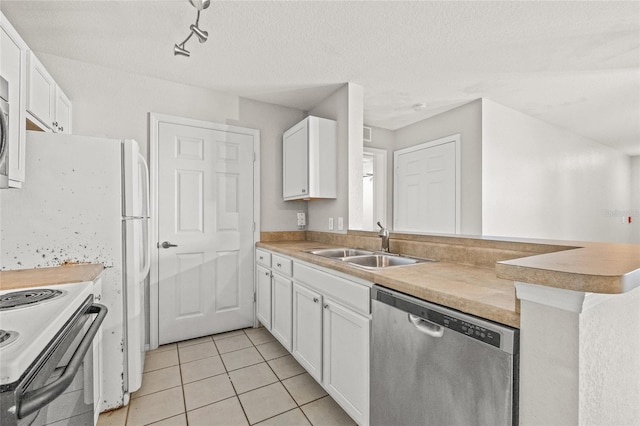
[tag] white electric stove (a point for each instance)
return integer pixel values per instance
(36, 324)
(43, 331)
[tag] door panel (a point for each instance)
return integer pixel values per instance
(190, 203)
(205, 202)
(425, 189)
(346, 359)
(307, 330)
(227, 290)
(281, 312)
(189, 293)
(263, 296)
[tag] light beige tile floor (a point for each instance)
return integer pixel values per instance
(243, 377)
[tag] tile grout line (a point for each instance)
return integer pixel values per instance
(227, 371)
(285, 388)
(184, 398)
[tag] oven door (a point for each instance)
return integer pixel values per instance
(60, 389)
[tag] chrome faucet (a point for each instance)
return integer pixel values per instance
(384, 234)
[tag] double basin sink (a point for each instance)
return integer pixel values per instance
(368, 259)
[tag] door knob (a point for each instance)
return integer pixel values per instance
(167, 244)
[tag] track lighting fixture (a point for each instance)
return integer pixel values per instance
(202, 35)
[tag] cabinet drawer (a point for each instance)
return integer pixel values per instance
(344, 291)
(282, 265)
(263, 258)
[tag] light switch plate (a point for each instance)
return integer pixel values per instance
(330, 224)
(340, 224)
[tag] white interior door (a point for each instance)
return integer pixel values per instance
(205, 216)
(426, 188)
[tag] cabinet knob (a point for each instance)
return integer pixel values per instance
(304, 190)
(279, 265)
(61, 128)
(55, 124)
(326, 306)
(266, 273)
(315, 300)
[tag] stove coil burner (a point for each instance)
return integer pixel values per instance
(8, 337)
(17, 299)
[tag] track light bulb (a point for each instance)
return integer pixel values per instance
(200, 4)
(180, 50)
(201, 34)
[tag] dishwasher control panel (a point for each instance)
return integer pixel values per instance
(460, 323)
(476, 331)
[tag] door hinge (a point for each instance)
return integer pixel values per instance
(254, 156)
(254, 297)
(253, 227)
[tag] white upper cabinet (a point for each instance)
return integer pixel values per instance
(62, 112)
(41, 91)
(309, 160)
(13, 63)
(46, 102)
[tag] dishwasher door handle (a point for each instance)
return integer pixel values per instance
(429, 328)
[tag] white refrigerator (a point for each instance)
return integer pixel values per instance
(86, 200)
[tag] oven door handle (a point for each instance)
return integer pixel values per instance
(34, 400)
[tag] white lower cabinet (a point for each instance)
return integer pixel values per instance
(331, 321)
(281, 321)
(263, 296)
(323, 319)
(274, 289)
(346, 359)
(307, 330)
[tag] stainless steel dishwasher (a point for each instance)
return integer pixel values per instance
(432, 365)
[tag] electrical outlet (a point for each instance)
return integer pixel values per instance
(330, 224)
(302, 220)
(340, 224)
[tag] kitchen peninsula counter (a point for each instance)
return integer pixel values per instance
(472, 289)
(607, 268)
(471, 275)
(37, 277)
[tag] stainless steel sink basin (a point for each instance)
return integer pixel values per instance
(377, 261)
(339, 252)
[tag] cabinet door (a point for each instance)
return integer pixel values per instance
(295, 173)
(346, 359)
(62, 121)
(307, 330)
(13, 63)
(41, 89)
(263, 296)
(281, 310)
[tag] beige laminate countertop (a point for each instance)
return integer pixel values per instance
(470, 289)
(593, 268)
(25, 278)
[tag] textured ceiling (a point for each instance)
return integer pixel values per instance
(575, 64)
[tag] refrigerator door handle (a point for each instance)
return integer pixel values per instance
(145, 186)
(145, 212)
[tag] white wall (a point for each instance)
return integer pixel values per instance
(345, 105)
(540, 181)
(272, 120)
(579, 361)
(111, 103)
(466, 120)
